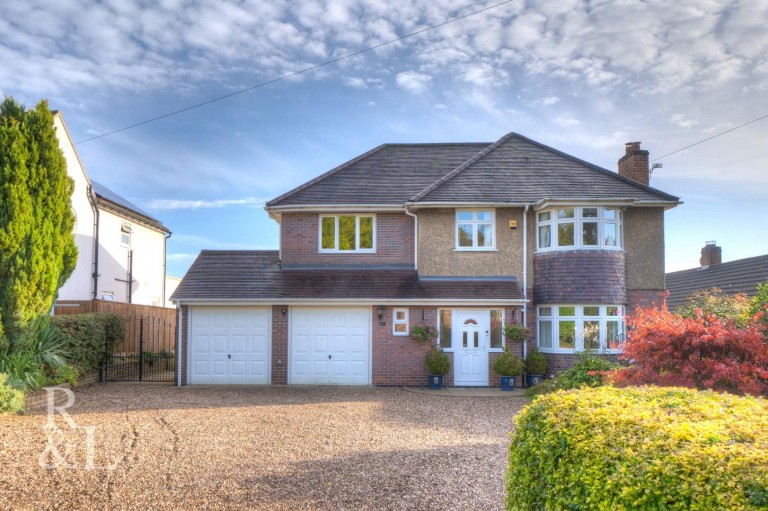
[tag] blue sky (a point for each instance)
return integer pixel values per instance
(583, 77)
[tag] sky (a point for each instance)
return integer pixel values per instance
(584, 77)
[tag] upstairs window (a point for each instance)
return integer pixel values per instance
(475, 230)
(125, 236)
(585, 227)
(347, 233)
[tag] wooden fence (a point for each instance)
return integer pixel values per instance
(159, 323)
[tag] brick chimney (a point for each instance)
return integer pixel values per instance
(634, 164)
(711, 254)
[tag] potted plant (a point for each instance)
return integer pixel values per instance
(515, 332)
(536, 367)
(508, 367)
(438, 366)
(423, 333)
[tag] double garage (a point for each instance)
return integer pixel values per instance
(233, 345)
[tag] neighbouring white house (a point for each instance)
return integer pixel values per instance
(121, 249)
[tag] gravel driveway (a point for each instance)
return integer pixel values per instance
(159, 447)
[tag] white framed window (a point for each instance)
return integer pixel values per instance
(125, 236)
(572, 328)
(400, 322)
(579, 227)
(347, 233)
(444, 329)
(475, 229)
(496, 342)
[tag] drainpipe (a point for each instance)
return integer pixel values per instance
(525, 277)
(415, 238)
(165, 264)
(178, 345)
(95, 208)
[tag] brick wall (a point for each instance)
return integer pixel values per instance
(299, 242)
(399, 360)
(644, 298)
(579, 277)
(184, 343)
(279, 345)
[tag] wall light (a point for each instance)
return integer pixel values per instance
(380, 310)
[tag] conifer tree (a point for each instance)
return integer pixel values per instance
(37, 246)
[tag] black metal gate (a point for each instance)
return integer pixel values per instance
(148, 352)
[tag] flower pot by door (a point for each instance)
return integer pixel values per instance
(435, 382)
(534, 379)
(508, 382)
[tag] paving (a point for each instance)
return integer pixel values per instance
(158, 447)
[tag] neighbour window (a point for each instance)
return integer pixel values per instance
(347, 233)
(399, 321)
(125, 235)
(475, 230)
(579, 227)
(497, 322)
(444, 328)
(569, 328)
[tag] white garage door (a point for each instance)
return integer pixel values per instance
(230, 345)
(330, 346)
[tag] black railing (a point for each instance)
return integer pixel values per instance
(146, 354)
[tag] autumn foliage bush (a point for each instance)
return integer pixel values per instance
(702, 352)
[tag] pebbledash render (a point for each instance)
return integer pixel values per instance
(463, 237)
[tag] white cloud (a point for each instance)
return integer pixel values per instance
(176, 204)
(568, 122)
(682, 121)
(413, 81)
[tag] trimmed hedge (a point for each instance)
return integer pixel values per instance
(639, 448)
(11, 399)
(87, 336)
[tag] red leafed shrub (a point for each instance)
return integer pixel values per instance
(697, 352)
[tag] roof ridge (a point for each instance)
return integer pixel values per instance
(461, 168)
(323, 176)
(719, 265)
(610, 173)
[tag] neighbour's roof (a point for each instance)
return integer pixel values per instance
(741, 276)
(105, 193)
(256, 275)
(515, 169)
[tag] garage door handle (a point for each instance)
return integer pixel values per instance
(229, 356)
(329, 357)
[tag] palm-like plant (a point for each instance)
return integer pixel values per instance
(27, 358)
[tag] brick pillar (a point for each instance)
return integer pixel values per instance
(279, 345)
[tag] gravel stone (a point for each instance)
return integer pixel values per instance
(276, 448)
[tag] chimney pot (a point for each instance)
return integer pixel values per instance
(711, 254)
(634, 164)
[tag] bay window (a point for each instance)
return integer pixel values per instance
(581, 227)
(571, 328)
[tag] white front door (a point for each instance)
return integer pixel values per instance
(470, 346)
(330, 346)
(229, 345)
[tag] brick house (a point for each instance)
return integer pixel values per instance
(464, 237)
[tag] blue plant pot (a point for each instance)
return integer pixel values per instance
(534, 379)
(508, 382)
(435, 382)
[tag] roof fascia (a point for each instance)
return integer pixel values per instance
(619, 202)
(433, 205)
(363, 301)
(128, 214)
(322, 208)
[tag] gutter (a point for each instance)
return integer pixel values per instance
(165, 264)
(360, 302)
(415, 236)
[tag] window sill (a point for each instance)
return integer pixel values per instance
(475, 250)
(554, 351)
(351, 252)
(578, 249)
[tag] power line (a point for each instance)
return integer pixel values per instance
(296, 73)
(713, 136)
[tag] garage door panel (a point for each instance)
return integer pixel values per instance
(230, 345)
(336, 342)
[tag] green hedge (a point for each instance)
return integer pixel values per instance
(639, 448)
(11, 399)
(87, 335)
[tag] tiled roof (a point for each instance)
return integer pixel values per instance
(517, 169)
(741, 276)
(256, 275)
(514, 169)
(389, 174)
(105, 193)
